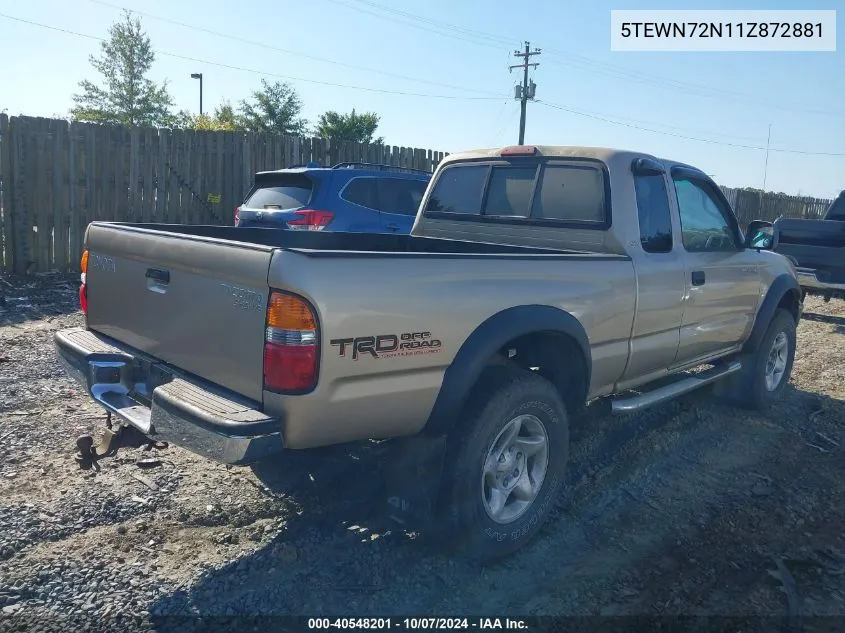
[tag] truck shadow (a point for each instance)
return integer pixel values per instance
(339, 544)
(339, 548)
(33, 297)
(832, 319)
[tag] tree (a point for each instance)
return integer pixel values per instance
(223, 120)
(126, 96)
(348, 127)
(275, 108)
(225, 116)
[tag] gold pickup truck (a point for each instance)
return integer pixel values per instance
(535, 280)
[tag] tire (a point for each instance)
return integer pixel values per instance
(477, 523)
(749, 388)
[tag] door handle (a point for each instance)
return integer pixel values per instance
(697, 278)
(392, 226)
(159, 275)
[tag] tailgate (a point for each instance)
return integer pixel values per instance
(195, 303)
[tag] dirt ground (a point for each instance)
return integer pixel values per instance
(692, 509)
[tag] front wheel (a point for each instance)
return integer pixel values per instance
(764, 375)
(505, 464)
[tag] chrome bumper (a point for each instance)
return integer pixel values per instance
(808, 278)
(166, 406)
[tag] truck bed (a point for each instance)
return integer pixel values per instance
(818, 248)
(194, 298)
(337, 244)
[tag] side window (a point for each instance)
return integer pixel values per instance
(704, 226)
(458, 190)
(570, 194)
(398, 195)
(362, 191)
(653, 213)
(510, 191)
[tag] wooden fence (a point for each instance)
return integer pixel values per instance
(749, 204)
(56, 177)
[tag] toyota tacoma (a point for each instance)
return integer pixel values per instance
(535, 280)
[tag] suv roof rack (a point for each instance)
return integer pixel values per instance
(379, 166)
(311, 165)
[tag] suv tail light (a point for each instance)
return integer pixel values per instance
(310, 220)
(237, 216)
(291, 344)
(83, 289)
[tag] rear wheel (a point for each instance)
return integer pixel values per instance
(505, 465)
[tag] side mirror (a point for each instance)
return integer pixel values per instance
(760, 236)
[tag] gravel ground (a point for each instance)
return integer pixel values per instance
(692, 509)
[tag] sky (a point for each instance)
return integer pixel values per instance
(437, 74)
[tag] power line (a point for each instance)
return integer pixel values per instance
(676, 86)
(498, 118)
(506, 124)
(287, 51)
(413, 94)
(682, 128)
(257, 72)
(481, 35)
(683, 136)
(579, 62)
(411, 23)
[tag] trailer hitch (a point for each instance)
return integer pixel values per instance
(110, 439)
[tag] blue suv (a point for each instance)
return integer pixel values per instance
(351, 197)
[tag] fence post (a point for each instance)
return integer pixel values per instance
(18, 212)
(7, 252)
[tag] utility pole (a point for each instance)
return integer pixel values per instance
(526, 91)
(766, 164)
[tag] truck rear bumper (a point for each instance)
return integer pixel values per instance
(810, 278)
(165, 405)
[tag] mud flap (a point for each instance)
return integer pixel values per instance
(414, 475)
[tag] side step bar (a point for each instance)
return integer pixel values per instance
(621, 406)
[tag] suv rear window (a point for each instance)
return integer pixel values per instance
(541, 191)
(282, 191)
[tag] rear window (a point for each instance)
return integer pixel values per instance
(459, 190)
(570, 193)
(509, 192)
(525, 191)
(287, 192)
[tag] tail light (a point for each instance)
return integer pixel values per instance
(237, 216)
(291, 344)
(518, 150)
(83, 289)
(310, 220)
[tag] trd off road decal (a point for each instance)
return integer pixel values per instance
(387, 345)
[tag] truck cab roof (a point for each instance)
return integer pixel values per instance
(606, 155)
